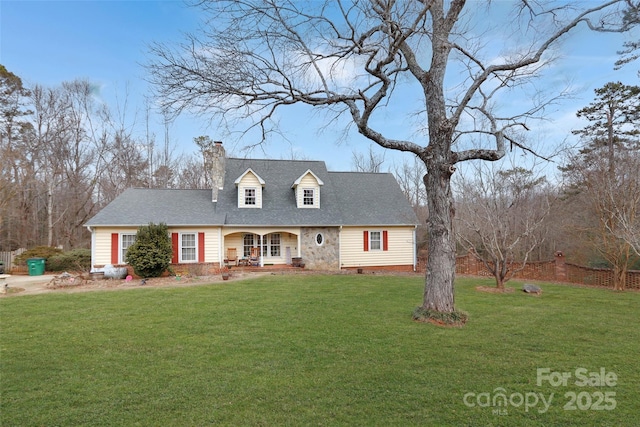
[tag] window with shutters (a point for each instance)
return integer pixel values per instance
(188, 247)
(126, 240)
(375, 240)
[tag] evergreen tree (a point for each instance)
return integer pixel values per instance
(614, 119)
(151, 253)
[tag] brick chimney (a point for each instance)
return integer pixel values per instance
(215, 167)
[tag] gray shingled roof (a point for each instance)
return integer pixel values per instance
(140, 206)
(371, 199)
(346, 198)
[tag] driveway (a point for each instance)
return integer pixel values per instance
(30, 284)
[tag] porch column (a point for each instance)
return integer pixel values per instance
(221, 254)
(262, 245)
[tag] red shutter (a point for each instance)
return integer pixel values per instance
(385, 240)
(114, 248)
(175, 246)
(200, 247)
(366, 240)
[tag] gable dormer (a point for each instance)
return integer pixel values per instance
(307, 190)
(250, 187)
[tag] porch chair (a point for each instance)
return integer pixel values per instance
(254, 258)
(232, 256)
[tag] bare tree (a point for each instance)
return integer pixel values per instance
(164, 173)
(191, 173)
(608, 214)
(624, 206)
(410, 178)
(466, 59)
(68, 158)
(630, 230)
(603, 178)
(631, 49)
(127, 165)
(14, 128)
(501, 217)
(370, 162)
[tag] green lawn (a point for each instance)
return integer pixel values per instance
(316, 350)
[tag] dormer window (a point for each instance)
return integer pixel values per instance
(307, 190)
(307, 197)
(250, 196)
(250, 187)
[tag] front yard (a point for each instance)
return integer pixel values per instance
(321, 350)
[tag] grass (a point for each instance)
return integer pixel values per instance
(303, 350)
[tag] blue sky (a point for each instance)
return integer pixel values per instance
(48, 42)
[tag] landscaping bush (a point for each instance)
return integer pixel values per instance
(151, 253)
(74, 260)
(37, 252)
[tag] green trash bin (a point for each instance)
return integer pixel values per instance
(36, 266)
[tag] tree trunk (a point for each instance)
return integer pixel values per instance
(619, 277)
(441, 264)
(49, 215)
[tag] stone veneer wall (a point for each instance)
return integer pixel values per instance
(320, 257)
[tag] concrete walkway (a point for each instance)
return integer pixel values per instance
(28, 283)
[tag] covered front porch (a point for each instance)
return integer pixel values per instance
(264, 247)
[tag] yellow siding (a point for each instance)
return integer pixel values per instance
(233, 241)
(211, 246)
(249, 181)
(102, 250)
(308, 182)
(401, 247)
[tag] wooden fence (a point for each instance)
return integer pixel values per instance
(556, 270)
(8, 258)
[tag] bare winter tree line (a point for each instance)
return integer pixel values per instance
(508, 215)
(65, 156)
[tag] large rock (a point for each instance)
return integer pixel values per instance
(531, 289)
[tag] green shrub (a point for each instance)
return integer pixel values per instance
(151, 253)
(74, 260)
(37, 252)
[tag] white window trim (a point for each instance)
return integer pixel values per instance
(121, 249)
(315, 239)
(313, 197)
(371, 240)
(180, 259)
(269, 245)
(253, 244)
(255, 197)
